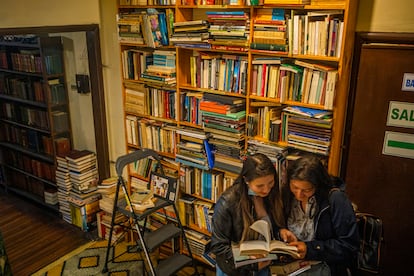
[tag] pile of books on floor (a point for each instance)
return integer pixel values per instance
(64, 186)
(107, 189)
(77, 177)
(51, 196)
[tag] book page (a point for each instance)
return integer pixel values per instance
(262, 227)
(254, 247)
(281, 247)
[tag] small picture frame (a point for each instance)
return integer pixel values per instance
(163, 186)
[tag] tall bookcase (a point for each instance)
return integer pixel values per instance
(258, 62)
(35, 118)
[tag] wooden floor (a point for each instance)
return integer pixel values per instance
(35, 237)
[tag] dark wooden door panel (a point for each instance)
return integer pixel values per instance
(378, 183)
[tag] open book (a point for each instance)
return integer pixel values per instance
(265, 246)
(241, 260)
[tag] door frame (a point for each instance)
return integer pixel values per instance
(96, 82)
(362, 38)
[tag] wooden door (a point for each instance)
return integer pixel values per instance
(378, 183)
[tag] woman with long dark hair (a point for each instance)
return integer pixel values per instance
(254, 195)
(321, 216)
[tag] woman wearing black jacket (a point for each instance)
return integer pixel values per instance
(254, 195)
(321, 216)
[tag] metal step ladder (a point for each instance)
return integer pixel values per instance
(148, 242)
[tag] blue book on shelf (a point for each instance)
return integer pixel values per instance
(209, 153)
(163, 28)
(278, 14)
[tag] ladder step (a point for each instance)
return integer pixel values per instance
(159, 236)
(173, 264)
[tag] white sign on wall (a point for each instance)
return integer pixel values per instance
(408, 82)
(398, 144)
(400, 114)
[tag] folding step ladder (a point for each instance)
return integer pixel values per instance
(147, 242)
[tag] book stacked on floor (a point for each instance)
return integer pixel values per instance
(82, 170)
(64, 186)
(51, 196)
(107, 189)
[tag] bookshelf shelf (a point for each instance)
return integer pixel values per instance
(34, 113)
(48, 182)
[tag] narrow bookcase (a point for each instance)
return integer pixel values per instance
(35, 115)
(271, 77)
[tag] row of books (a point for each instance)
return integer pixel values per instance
(162, 70)
(26, 138)
(206, 184)
(29, 185)
(195, 213)
(317, 33)
(265, 122)
(146, 27)
(4, 64)
(141, 99)
(21, 88)
(270, 31)
(300, 81)
(306, 129)
(33, 117)
(314, 33)
(26, 61)
(146, 2)
(190, 33)
(146, 133)
(30, 166)
(223, 72)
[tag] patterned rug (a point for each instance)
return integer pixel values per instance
(90, 260)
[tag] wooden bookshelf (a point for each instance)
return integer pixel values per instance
(194, 79)
(34, 113)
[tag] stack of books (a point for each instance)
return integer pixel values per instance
(307, 129)
(191, 34)
(229, 30)
(51, 196)
(224, 120)
(270, 31)
(162, 70)
(64, 186)
(194, 149)
(145, 28)
(107, 189)
(82, 171)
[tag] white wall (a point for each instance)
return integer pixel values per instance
(373, 15)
